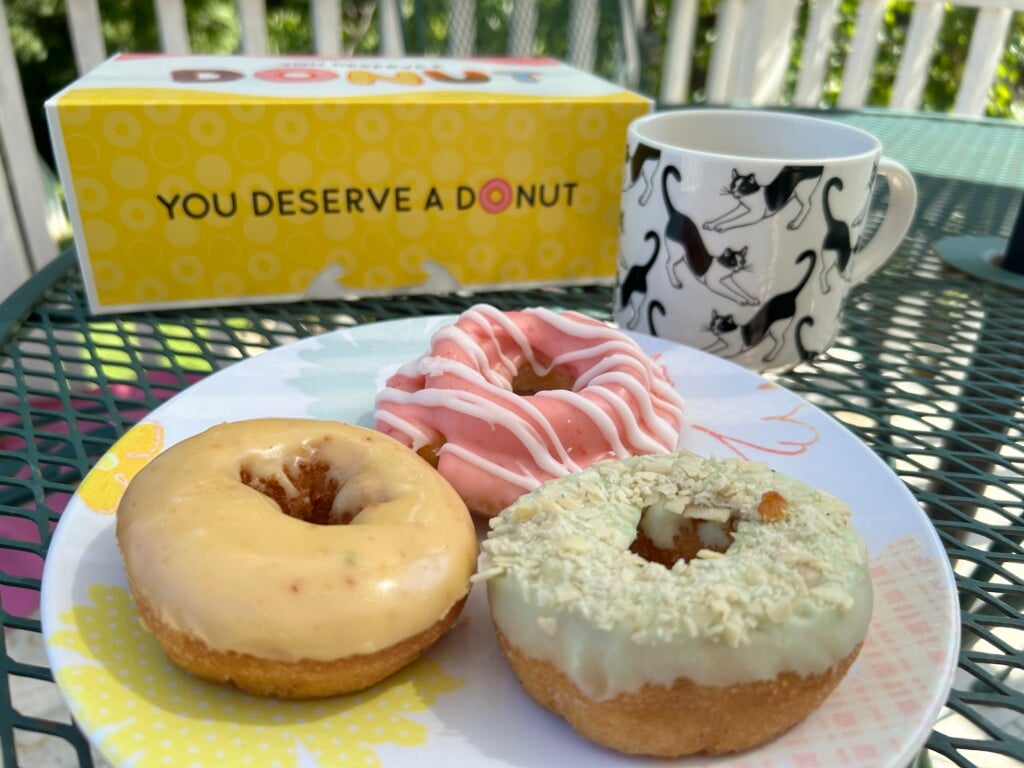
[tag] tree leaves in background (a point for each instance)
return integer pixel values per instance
(43, 46)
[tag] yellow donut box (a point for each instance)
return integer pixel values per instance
(215, 180)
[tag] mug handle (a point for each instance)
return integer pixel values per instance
(895, 223)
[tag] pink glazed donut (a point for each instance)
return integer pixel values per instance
(505, 401)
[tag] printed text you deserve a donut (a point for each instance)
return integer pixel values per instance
(494, 196)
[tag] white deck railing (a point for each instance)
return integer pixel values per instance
(748, 65)
(750, 59)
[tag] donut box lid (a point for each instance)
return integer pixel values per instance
(169, 79)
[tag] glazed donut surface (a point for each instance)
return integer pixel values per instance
(673, 604)
(504, 401)
(292, 556)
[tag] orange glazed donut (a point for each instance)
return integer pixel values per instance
(293, 557)
(668, 605)
(506, 400)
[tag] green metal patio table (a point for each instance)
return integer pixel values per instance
(927, 372)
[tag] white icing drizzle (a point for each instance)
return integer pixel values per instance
(621, 404)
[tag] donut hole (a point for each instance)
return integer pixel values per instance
(311, 492)
(526, 382)
(692, 536)
(529, 381)
(431, 453)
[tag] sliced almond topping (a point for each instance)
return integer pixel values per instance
(773, 507)
(709, 554)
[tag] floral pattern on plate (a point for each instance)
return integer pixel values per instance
(103, 487)
(144, 711)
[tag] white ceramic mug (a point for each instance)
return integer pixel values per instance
(741, 231)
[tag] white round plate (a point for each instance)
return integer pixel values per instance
(460, 705)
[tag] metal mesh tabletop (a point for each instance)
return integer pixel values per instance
(926, 372)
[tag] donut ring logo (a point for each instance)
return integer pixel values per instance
(495, 195)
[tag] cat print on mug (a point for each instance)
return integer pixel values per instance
(633, 287)
(837, 238)
(732, 338)
(860, 217)
(642, 165)
(756, 202)
(803, 353)
(741, 232)
(684, 245)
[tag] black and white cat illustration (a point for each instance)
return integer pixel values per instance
(684, 245)
(643, 165)
(633, 288)
(798, 338)
(756, 202)
(655, 307)
(772, 321)
(859, 218)
(836, 240)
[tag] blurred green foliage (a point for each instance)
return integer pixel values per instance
(1006, 98)
(43, 46)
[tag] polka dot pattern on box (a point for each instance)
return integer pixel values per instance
(382, 189)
